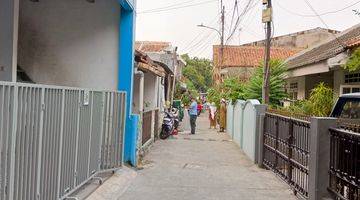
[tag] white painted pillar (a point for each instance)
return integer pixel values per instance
(9, 21)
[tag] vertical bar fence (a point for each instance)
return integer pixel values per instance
(55, 139)
(286, 150)
(344, 170)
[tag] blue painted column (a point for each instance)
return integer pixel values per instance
(125, 78)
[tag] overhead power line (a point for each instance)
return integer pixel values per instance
(247, 8)
(233, 15)
(321, 14)
(169, 6)
(190, 44)
(201, 51)
(316, 13)
(176, 8)
(205, 45)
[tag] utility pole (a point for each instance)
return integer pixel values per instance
(222, 39)
(267, 19)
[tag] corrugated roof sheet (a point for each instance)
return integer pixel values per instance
(249, 56)
(327, 49)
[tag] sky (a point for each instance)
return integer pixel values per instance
(176, 21)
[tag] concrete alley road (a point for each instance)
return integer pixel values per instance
(204, 166)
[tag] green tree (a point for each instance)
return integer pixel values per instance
(199, 72)
(353, 64)
(253, 89)
(231, 89)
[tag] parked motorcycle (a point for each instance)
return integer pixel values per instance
(170, 124)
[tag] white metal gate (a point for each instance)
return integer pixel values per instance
(54, 139)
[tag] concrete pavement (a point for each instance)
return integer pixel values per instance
(207, 166)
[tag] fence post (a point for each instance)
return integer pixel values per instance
(290, 150)
(13, 142)
(61, 141)
(261, 140)
(260, 110)
(319, 157)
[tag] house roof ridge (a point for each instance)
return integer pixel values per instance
(337, 38)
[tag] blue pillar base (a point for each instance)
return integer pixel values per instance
(131, 135)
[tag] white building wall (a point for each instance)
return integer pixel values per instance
(150, 91)
(9, 13)
(72, 43)
(339, 79)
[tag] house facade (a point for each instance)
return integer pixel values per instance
(85, 44)
(323, 63)
(147, 98)
(158, 68)
(165, 55)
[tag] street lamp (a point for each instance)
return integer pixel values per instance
(221, 34)
(203, 26)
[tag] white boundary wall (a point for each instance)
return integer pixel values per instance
(243, 125)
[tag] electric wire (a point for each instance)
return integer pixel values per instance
(189, 45)
(169, 6)
(247, 8)
(316, 13)
(177, 8)
(232, 18)
(201, 43)
(322, 14)
(205, 47)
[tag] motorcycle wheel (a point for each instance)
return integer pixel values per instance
(163, 134)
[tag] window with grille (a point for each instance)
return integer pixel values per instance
(293, 91)
(352, 78)
(346, 89)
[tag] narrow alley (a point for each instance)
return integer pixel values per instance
(205, 166)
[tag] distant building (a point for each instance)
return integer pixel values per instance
(239, 61)
(165, 54)
(302, 39)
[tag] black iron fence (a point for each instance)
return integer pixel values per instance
(345, 162)
(286, 150)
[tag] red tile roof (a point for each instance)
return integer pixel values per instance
(151, 46)
(249, 56)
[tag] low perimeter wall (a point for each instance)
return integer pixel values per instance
(243, 125)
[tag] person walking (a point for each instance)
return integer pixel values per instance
(199, 107)
(212, 115)
(222, 115)
(193, 113)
